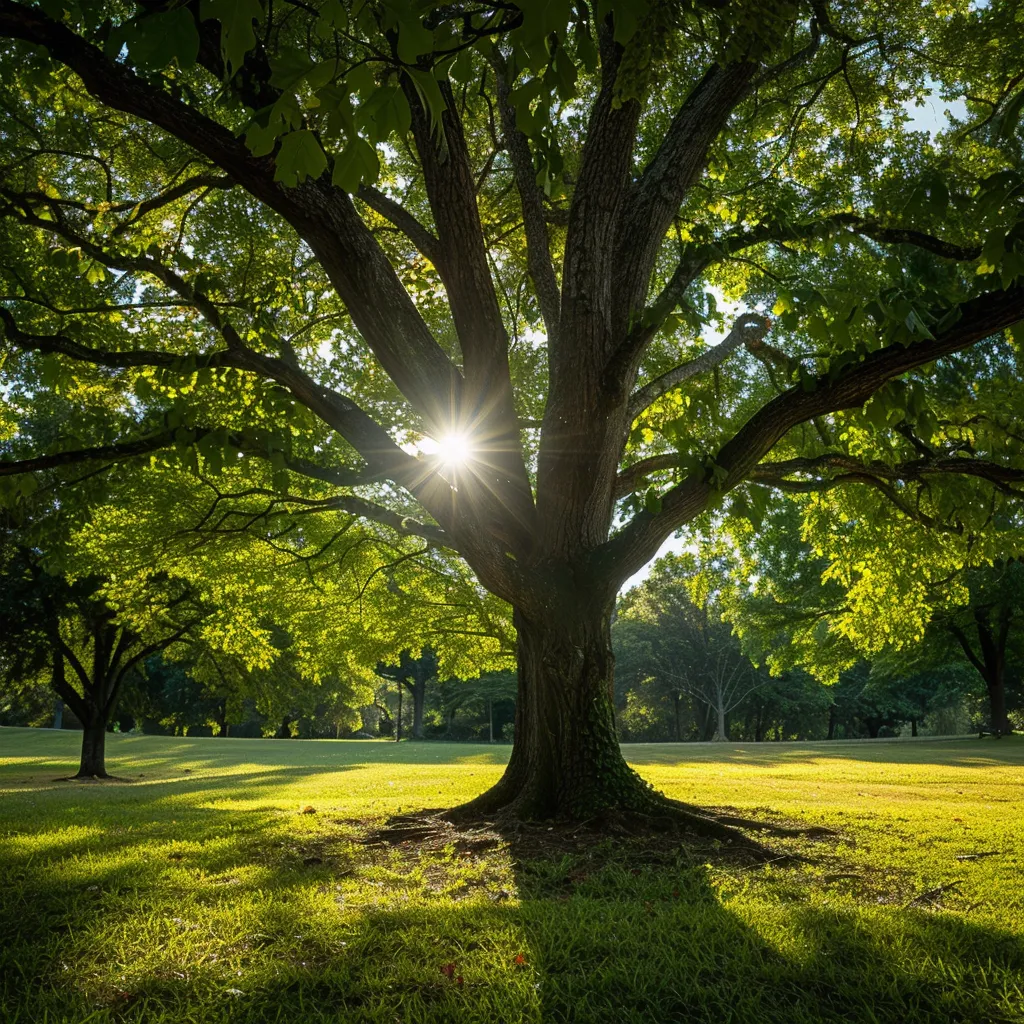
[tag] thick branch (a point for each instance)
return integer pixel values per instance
(106, 452)
(538, 249)
(322, 214)
(421, 237)
(637, 543)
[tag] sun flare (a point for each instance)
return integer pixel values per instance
(454, 449)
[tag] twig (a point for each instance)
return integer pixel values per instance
(978, 856)
(932, 894)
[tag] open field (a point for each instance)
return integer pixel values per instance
(198, 890)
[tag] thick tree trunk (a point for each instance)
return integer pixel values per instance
(94, 741)
(565, 760)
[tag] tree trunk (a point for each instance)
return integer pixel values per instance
(94, 741)
(831, 723)
(490, 721)
(419, 693)
(676, 701)
(222, 719)
(995, 683)
(721, 732)
(913, 727)
(58, 713)
(565, 761)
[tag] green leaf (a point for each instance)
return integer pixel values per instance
(356, 164)
(236, 19)
(158, 39)
(301, 156)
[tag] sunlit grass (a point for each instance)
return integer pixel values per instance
(198, 890)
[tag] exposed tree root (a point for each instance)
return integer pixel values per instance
(662, 822)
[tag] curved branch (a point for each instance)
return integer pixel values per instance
(748, 330)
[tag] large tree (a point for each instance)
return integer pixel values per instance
(494, 226)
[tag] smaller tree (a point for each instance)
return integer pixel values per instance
(691, 649)
(414, 673)
(89, 648)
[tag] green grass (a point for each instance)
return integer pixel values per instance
(198, 891)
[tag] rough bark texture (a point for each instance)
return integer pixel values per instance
(566, 760)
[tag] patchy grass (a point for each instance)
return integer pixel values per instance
(199, 891)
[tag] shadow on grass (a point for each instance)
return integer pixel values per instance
(958, 751)
(264, 917)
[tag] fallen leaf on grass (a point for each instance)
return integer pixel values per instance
(448, 970)
(308, 809)
(519, 960)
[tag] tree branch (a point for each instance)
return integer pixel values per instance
(424, 240)
(538, 248)
(636, 544)
(748, 329)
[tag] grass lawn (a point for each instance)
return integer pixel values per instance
(198, 890)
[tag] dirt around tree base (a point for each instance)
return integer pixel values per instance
(674, 828)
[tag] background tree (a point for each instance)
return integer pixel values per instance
(89, 647)
(691, 650)
(414, 673)
(458, 223)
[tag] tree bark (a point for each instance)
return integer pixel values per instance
(996, 686)
(566, 761)
(94, 740)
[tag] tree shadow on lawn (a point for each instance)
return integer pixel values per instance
(251, 927)
(958, 751)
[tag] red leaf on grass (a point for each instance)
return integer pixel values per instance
(519, 960)
(448, 970)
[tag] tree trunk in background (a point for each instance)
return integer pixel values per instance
(94, 741)
(58, 714)
(996, 685)
(284, 731)
(913, 727)
(721, 732)
(419, 693)
(676, 701)
(566, 760)
(222, 719)
(831, 723)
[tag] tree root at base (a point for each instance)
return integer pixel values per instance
(663, 822)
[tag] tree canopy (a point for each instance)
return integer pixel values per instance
(458, 266)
